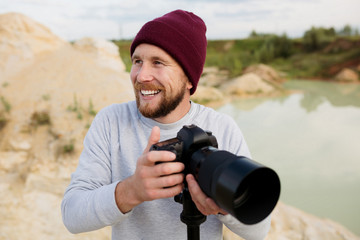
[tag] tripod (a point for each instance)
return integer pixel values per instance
(190, 215)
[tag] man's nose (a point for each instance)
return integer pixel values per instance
(145, 73)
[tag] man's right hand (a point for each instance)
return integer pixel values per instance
(150, 181)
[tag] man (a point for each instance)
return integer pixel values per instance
(117, 182)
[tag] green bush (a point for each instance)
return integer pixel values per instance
(317, 38)
(68, 148)
(40, 118)
(3, 120)
(275, 47)
(6, 104)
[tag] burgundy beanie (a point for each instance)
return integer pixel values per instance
(182, 35)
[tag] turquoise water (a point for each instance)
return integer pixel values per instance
(312, 139)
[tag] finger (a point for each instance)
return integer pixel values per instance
(194, 188)
(206, 205)
(168, 168)
(154, 138)
(171, 180)
(197, 195)
(158, 182)
(165, 192)
(213, 207)
(150, 158)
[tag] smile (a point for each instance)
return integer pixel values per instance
(149, 92)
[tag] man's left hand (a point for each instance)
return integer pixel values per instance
(206, 205)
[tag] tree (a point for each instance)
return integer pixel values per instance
(253, 34)
(275, 47)
(317, 38)
(346, 31)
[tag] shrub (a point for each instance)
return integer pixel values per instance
(317, 38)
(3, 121)
(6, 104)
(68, 148)
(40, 118)
(275, 47)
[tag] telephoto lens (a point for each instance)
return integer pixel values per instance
(244, 188)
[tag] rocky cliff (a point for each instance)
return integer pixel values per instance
(50, 90)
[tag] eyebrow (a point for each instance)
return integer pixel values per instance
(154, 58)
(134, 56)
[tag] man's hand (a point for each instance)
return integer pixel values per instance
(206, 205)
(150, 181)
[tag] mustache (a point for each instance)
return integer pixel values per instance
(148, 86)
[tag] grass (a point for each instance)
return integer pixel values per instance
(6, 108)
(69, 147)
(91, 109)
(76, 108)
(40, 118)
(80, 111)
(3, 121)
(6, 104)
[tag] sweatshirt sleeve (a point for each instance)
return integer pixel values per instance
(89, 201)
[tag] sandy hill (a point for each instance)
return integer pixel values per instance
(21, 40)
(43, 74)
(50, 91)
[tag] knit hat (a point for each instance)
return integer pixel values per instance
(182, 35)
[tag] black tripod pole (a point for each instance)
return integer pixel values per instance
(190, 215)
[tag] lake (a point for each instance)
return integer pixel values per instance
(311, 138)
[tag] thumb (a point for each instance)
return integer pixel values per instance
(154, 138)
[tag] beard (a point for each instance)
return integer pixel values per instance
(167, 104)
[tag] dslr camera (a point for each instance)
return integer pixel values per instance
(244, 188)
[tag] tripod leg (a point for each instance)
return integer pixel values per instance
(193, 232)
(190, 215)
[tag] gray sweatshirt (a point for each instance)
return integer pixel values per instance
(115, 140)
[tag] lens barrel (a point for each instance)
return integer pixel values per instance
(244, 188)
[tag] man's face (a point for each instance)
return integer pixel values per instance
(160, 84)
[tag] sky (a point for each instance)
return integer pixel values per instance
(227, 19)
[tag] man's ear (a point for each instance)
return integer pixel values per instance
(189, 85)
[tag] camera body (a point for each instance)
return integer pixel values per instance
(188, 140)
(244, 188)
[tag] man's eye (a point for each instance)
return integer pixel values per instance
(137, 61)
(157, 62)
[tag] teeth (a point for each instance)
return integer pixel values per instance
(149, 92)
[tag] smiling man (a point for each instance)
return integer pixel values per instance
(117, 182)
(161, 86)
